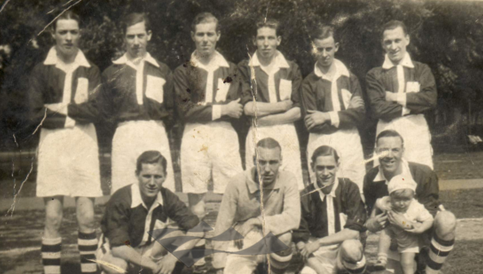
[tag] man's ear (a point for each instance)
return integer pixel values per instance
(218, 35)
(408, 38)
(336, 47)
(150, 34)
(279, 40)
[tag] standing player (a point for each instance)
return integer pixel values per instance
(271, 97)
(62, 99)
(333, 106)
(137, 94)
(400, 92)
(208, 90)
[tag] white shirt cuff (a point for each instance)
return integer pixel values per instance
(69, 122)
(405, 111)
(216, 112)
(401, 99)
(334, 118)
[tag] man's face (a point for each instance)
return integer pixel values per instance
(325, 50)
(390, 151)
(66, 37)
(394, 42)
(205, 38)
(268, 163)
(267, 42)
(151, 178)
(325, 168)
(136, 40)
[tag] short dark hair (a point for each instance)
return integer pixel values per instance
(269, 143)
(68, 15)
(324, 151)
(204, 17)
(135, 18)
(270, 23)
(394, 24)
(150, 157)
(323, 31)
(389, 133)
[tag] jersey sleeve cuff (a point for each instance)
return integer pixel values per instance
(334, 118)
(216, 112)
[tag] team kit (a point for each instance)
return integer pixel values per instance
(323, 222)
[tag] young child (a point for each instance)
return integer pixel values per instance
(401, 201)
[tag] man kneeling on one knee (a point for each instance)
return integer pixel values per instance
(333, 217)
(137, 216)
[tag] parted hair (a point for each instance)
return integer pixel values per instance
(323, 31)
(68, 15)
(389, 133)
(270, 23)
(135, 18)
(204, 17)
(394, 24)
(324, 151)
(150, 157)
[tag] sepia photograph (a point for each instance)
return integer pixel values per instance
(247, 136)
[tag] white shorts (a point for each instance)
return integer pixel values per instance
(417, 138)
(288, 140)
(131, 140)
(326, 257)
(209, 152)
(69, 162)
(347, 143)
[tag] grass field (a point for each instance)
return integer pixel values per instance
(20, 237)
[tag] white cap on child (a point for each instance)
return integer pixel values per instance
(401, 182)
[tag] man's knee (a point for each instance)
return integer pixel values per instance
(53, 219)
(286, 238)
(85, 216)
(445, 225)
(352, 250)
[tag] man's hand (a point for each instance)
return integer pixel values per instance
(166, 264)
(58, 107)
(398, 220)
(315, 118)
(233, 109)
(286, 104)
(356, 102)
(309, 249)
(377, 223)
(391, 96)
(246, 227)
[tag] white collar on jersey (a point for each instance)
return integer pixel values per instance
(53, 59)
(279, 61)
(405, 171)
(340, 68)
(217, 61)
(406, 62)
(332, 191)
(137, 200)
(124, 60)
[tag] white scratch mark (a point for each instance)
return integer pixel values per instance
(108, 265)
(4, 4)
(15, 139)
(12, 207)
(50, 23)
(266, 13)
(41, 122)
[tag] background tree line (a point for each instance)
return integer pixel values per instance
(445, 35)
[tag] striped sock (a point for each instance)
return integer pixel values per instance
(87, 243)
(438, 252)
(51, 255)
(281, 260)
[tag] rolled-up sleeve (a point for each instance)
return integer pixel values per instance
(289, 218)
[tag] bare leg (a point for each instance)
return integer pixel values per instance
(87, 239)
(51, 240)
(384, 245)
(408, 263)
